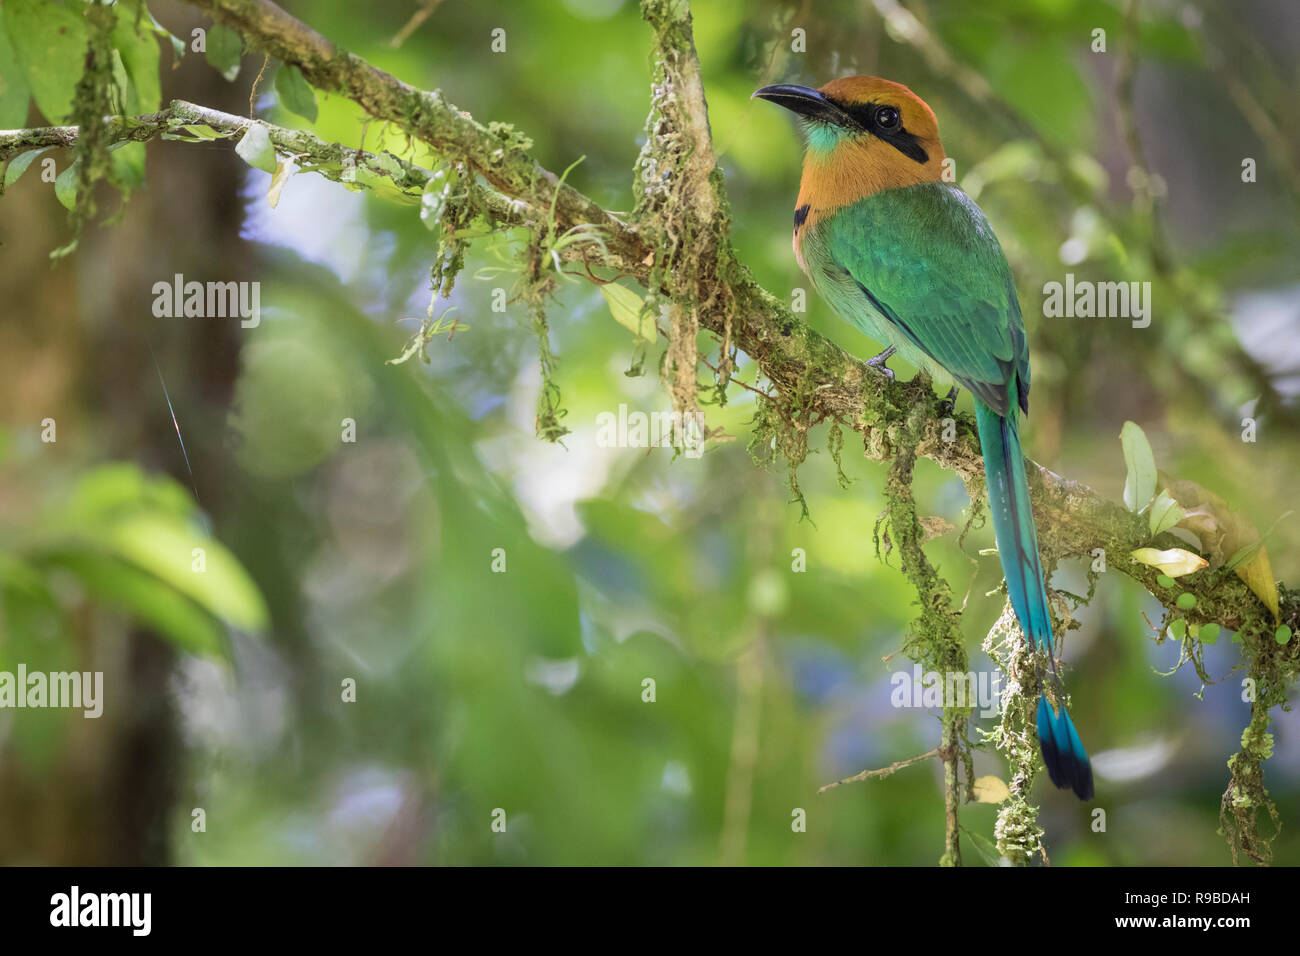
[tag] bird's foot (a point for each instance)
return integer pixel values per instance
(948, 404)
(878, 362)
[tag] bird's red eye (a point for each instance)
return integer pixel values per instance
(887, 118)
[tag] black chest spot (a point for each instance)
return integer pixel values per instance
(800, 215)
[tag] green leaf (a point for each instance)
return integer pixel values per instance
(296, 94)
(147, 598)
(1208, 633)
(255, 148)
(131, 538)
(1283, 634)
(49, 41)
(111, 491)
(14, 92)
(1178, 629)
(128, 163)
(178, 45)
(1140, 465)
(1247, 553)
(224, 49)
(141, 59)
(198, 134)
(18, 165)
(1243, 555)
(984, 846)
(164, 546)
(1186, 601)
(205, 132)
(1165, 514)
(65, 185)
(629, 310)
(1164, 580)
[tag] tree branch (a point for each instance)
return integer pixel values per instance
(304, 147)
(499, 157)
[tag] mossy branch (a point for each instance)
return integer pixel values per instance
(306, 148)
(936, 640)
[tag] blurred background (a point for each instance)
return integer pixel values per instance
(331, 561)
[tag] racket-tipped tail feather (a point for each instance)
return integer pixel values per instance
(1067, 762)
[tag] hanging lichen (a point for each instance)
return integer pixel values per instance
(539, 284)
(97, 96)
(1017, 834)
(1272, 659)
(934, 639)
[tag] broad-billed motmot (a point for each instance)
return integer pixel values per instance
(912, 262)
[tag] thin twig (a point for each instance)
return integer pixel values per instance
(417, 18)
(893, 768)
(252, 93)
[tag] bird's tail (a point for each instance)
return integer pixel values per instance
(1013, 523)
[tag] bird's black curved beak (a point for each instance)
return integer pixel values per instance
(804, 101)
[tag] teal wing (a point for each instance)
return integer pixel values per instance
(926, 259)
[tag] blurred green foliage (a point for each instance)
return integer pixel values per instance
(501, 603)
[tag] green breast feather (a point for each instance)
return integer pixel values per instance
(920, 268)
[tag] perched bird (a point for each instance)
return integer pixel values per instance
(912, 262)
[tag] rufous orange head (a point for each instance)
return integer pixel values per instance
(865, 135)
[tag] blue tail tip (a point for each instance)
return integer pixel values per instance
(1067, 762)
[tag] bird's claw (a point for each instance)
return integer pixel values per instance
(878, 362)
(947, 406)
